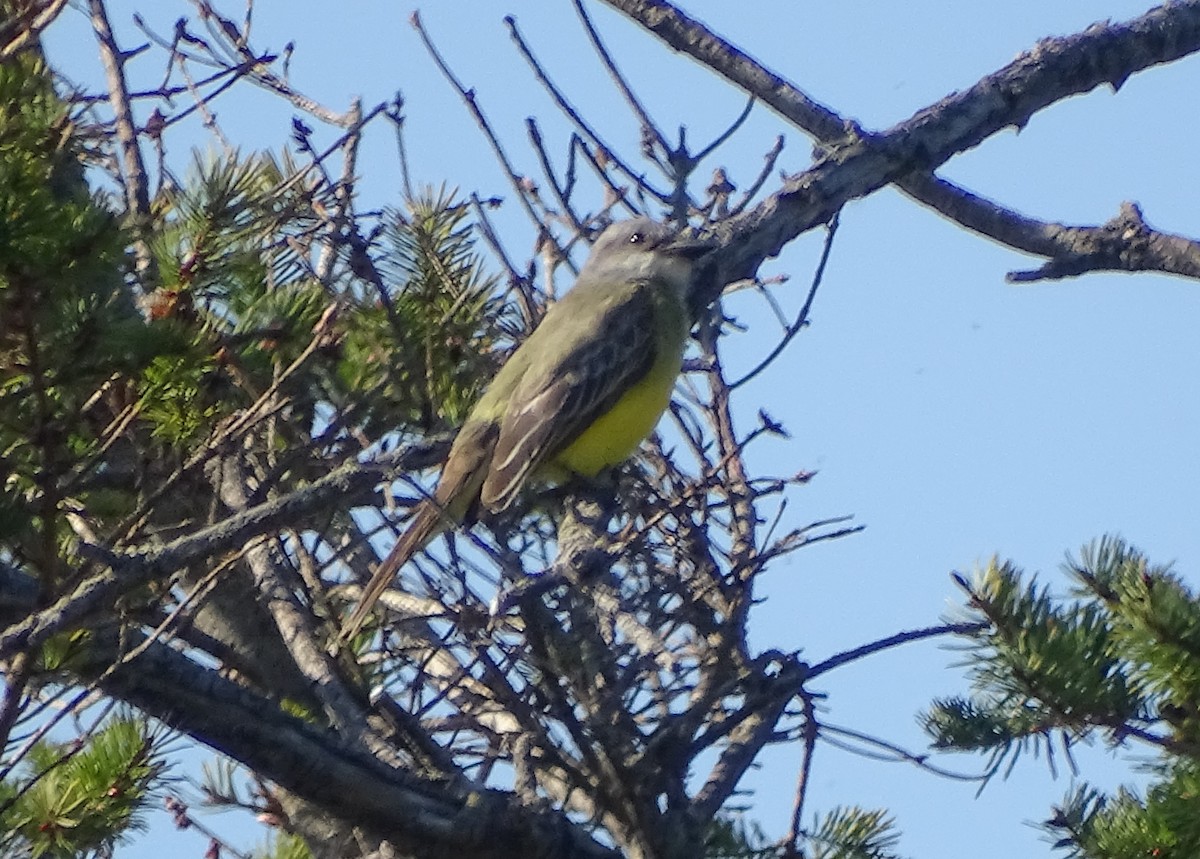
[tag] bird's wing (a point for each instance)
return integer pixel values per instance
(551, 409)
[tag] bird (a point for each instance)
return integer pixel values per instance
(579, 395)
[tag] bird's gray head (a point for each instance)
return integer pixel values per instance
(642, 248)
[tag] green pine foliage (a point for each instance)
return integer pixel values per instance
(1117, 659)
(854, 833)
(841, 833)
(284, 846)
(66, 325)
(417, 322)
(69, 799)
(234, 292)
(115, 374)
(428, 345)
(234, 307)
(176, 398)
(732, 836)
(1043, 666)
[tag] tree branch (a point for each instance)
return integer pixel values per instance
(891, 641)
(1053, 70)
(350, 484)
(134, 178)
(430, 818)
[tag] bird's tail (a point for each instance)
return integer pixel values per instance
(428, 521)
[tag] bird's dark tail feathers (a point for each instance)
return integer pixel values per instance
(426, 523)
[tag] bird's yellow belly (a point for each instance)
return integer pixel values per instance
(614, 436)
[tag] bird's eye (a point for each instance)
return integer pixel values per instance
(637, 238)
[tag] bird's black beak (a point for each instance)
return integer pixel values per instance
(689, 248)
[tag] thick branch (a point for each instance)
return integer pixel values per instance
(349, 485)
(749, 738)
(1125, 243)
(1055, 69)
(424, 817)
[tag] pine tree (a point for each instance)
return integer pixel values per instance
(208, 373)
(1118, 660)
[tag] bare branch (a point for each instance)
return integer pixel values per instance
(135, 180)
(432, 816)
(351, 483)
(1125, 243)
(891, 641)
(801, 318)
(1054, 70)
(649, 126)
(811, 732)
(22, 30)
(572, 114)
(520, 187)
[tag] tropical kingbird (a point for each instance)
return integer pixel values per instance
(578, 396)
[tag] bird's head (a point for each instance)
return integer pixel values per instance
(642, 248)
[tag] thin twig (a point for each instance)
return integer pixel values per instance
(802, 317)
(882, 644)
(572, 114)
(28, 27)
(134, 178)
(468, 97)
(894, 753)
(768, 167)
(728, 132)
(811, 732)
(647, 122)
(560, 193)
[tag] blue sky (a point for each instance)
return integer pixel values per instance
(954, 415)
